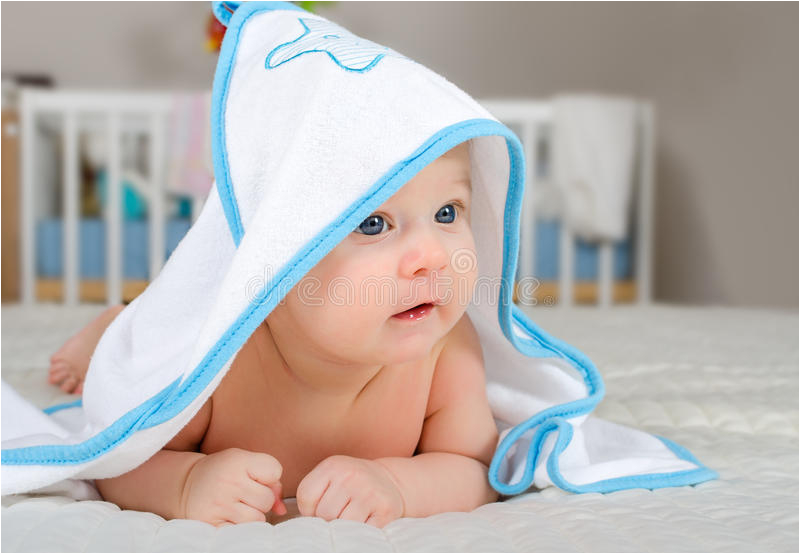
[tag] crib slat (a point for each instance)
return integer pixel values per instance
(605, 273)
(70, 209)
(27, 197)
(157, 232)
(644, 227)
(113, 214)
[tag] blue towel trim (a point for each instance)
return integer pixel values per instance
(219, 95)
(176, 397)
(64, 406)
(224, 14)
(108, 438)
(224, 10)
(645, 481)
(554, 420)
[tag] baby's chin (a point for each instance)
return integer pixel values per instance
(406, 341)
(395, 340)
(404, 354)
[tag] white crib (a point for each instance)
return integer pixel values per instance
(532, 118)
(114, 114)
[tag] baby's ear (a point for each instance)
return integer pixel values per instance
(223, 10)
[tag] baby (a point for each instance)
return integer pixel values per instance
(367, 408)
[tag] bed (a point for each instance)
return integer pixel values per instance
(721, 381)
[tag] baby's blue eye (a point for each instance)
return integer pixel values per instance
(446, 214)
(373, 225)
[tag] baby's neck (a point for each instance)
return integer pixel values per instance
(302, 374)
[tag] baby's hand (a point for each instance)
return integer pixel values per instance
(233, 486)
(343, 487)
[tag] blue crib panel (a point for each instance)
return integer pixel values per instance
(135, 259)
(548, 236)
(92, 246)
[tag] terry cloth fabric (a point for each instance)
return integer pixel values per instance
(594, 148)
(315, 124)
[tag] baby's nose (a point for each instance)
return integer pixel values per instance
(426, 254)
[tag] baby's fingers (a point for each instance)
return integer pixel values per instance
(279, 508)
(264, 468)
(311, 490)
(266, 471)
(355, 511)
(264, 497)
(242, 513)
(258, 496)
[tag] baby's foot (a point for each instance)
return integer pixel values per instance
(67, 376)
(68, 366)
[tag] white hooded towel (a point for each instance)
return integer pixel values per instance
(308, 119)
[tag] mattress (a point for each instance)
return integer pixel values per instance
(721, 381)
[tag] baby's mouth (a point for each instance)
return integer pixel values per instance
(420, 311)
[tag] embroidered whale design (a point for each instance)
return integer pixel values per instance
(349, 51)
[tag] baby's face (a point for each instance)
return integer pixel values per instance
(357, 304)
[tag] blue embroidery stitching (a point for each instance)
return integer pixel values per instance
(349, 51)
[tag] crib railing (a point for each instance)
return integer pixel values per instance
(116, 113)
(111, 113)
(532, 117)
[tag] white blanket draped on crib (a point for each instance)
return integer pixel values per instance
(594, 149)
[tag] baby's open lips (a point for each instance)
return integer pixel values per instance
(431, 303)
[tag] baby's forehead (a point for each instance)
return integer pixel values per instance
(450, 173)
(455, 172)
(461, 149)
(444, 174)
(456, 161)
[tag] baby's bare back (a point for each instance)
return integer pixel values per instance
(249, 411)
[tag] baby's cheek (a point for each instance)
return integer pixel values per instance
(464, 287)
(463, 268)
(345, 325)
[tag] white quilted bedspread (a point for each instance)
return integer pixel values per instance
(722, 382)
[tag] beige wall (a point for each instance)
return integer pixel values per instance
(724, 78)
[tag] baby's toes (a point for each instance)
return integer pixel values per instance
(58, 372)
(78, 389)
(69, 384)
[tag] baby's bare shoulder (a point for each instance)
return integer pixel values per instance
(463, 334)
(191, 436)
(460, 358)
(458, 418)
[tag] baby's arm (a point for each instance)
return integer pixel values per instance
(232, 485)
(458, 439)
(155, 486)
